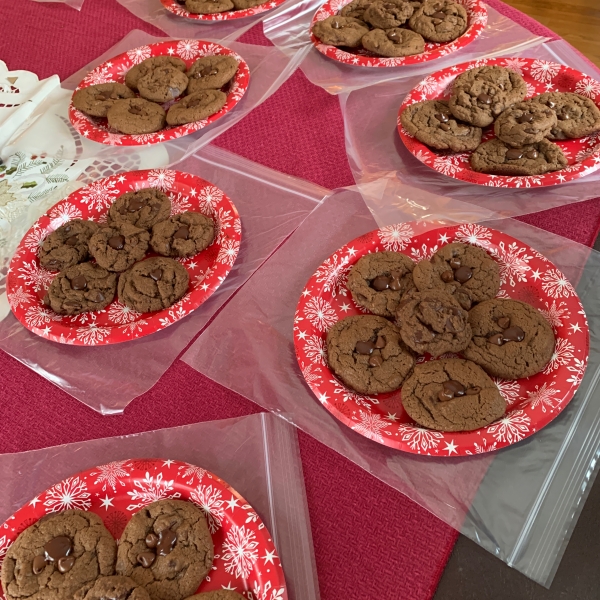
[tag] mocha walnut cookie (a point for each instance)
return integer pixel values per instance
(356, 9)
(153, 284)
(340, 31)
(167, 548)
(440, 21)
(211, 73)
(95, 100)
(499, 158)
(393, 42)
(208, 7)
(433, 322)
(432, 123)
(511, 339)
(452, 395)
(378, 281)
(135, 116)
(480, 94)
(197, 106)
(367, 354)
(576, 116)
(162, 84)
(117, 247)
(182, 235)
(147, 66)
(58, 555)
(143, 208)
(385, 14)
(524, 123)
(67, 245)
(81, 288)
(113, 587)
(469, 273)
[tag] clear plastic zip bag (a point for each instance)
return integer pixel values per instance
(269, 69)
(271, 205)
(520, 503)
(289, 29)
(76, 4)
(375, 149)
(265, 469)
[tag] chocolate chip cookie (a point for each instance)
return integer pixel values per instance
(440, 21)
(166, 547)
(217, 595)
(67, 245)
(143, 208)
(525, 123)
(466, 272)
(58, 555)
(196, 107)
(135, 116)
(146, 66)
(499, 158)
(340, 31)
(211, 72)
(367, 354)
(432, 123)
(511, 339)
(208, 7)
(480, 94)
(452, 395)
(95, 100)
(386, 14)
(393, 42)
(433, 322)
(576, 116)
(244, 4)
(184, 234)
(379, 280)
(162, 84)
(81, 288)
(117, 247)
(153, 284)
(356, 9)
(113, 587)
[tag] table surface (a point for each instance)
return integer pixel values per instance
(383, 546)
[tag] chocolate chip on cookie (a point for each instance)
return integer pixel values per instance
(67, 245)
(452, 395)
(367, 354)
(162, 84)
(117, 247)
(432, 123)
(469, 273)
(511, 339)
(433, 322)
(440, 20)
(576, 116)
(499, 158)
(340, 31)
(182, 235)
(393, 42)
(143, 208)
(153, 284)
(147, 66)
(378, 281)
(95, 100)
(136, 116)
(386, 14)
(480, 94)
(81, 288)
(525, 123)
(211, 72)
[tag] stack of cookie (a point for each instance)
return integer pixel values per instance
(161, 83)
(393, 28)
(443, 305)
(165, 552)
(137, 221)
(493, 95)
(211, 7)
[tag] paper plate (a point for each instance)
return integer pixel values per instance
(525, 275)
(114, 70)
(540, 76)
(476, 12)
(27, 281)
(245, 557)
(181, 11)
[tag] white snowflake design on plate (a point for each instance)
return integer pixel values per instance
(151, 489)
(240, 553)
(396, 237)
(72, 493)
(371, 425)
(192, 471)
(544, 396)
(163, 179)
(138, 55)
(210, 501)
(511, 428)
(111, 475)
(420, 439)
(320, 313)
(513, 262)
(333, 274)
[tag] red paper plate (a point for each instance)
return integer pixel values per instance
(27, 281)
(245, 557)
(541, 76)
(525, 274)
(114, 70)
(476, 12)
(181, 11)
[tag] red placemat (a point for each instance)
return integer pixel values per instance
(372, 542)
